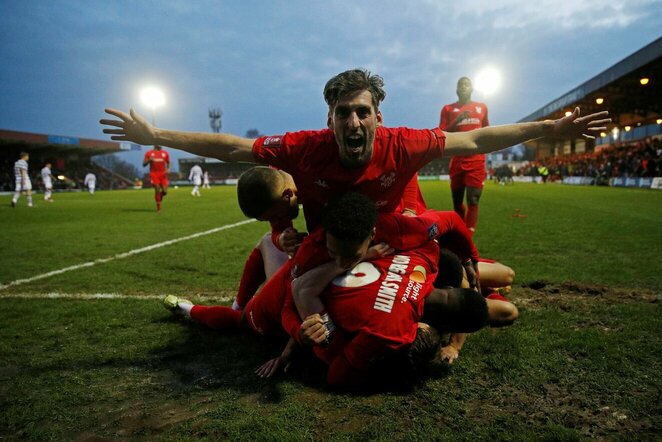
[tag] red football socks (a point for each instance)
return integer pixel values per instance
(471, 219)
(216, 316)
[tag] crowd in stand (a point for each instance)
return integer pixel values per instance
(638, 159)
(73, 176)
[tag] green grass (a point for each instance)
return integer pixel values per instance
(581, 362)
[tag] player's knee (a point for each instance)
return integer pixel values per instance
(510, 276)
(502, 313)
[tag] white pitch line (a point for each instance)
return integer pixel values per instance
(123, 255)
(93, 296)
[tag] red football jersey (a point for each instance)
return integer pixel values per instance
(477, 118)
(311, 157)
(160, 159)
(384, 298)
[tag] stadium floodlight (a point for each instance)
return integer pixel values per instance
(615, 133)
(599, 100)
(603, 134)
(568, 113)
(659, 121)
(644, 81)
(488, 81)
(627, 128)
(152, 97)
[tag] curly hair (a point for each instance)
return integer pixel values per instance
(350, 217)
(351, 81)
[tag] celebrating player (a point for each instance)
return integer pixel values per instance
(159, 166)
(356, 152)
(467, 171)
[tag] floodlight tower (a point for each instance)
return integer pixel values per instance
(152, 97)
(215, 119)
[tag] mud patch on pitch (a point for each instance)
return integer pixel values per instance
(539, 293)
(565, 405)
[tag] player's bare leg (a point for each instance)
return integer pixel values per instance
(458, 202)
(495, 274)
(471, 218)
(158, 196)
(502, 313)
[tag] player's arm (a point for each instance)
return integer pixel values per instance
(307, 288)
(135, 128)
(493, 138)
(452, 351)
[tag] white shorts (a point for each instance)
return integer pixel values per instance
(196, 181)
(20, 186)
(48, 184)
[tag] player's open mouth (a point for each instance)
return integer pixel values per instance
(354, 142)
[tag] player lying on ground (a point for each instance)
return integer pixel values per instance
(356, 152)
(404, 233)
(377, 338)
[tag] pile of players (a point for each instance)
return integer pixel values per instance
(369, 288)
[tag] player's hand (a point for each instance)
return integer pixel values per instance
(409, 212)
(313, 330)
(449, 354)
(471, 270)
(573, 126)
(131, 127)
(290, 240)
(378, 251)
(271, 367)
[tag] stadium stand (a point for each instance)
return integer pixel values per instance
(71, 160)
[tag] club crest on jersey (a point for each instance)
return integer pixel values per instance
(479, 109)
(273, 141)
(323, 184)
(387, 180)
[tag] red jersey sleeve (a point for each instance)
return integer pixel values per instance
(443, 118)
(411, 197)
(407, 232)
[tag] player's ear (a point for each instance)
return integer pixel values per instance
(329, 120)
(380, 118)
(373, 233)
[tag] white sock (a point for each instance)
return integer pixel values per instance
(29, 200)
(185, 307)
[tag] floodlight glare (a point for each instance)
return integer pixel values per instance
(627, 128)
(568, 113)
(659, 121)
(488, 81)
(644, 81)
(603, 134)
(152, 97)
(599, 100)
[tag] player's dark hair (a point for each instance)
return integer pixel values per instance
(354, 80)
(450, 270)
(424, 349)
(255, 190)
(455, 310)
(23, 154)
(350, 217)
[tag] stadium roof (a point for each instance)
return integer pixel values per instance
(628, 101)
(55, 143)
